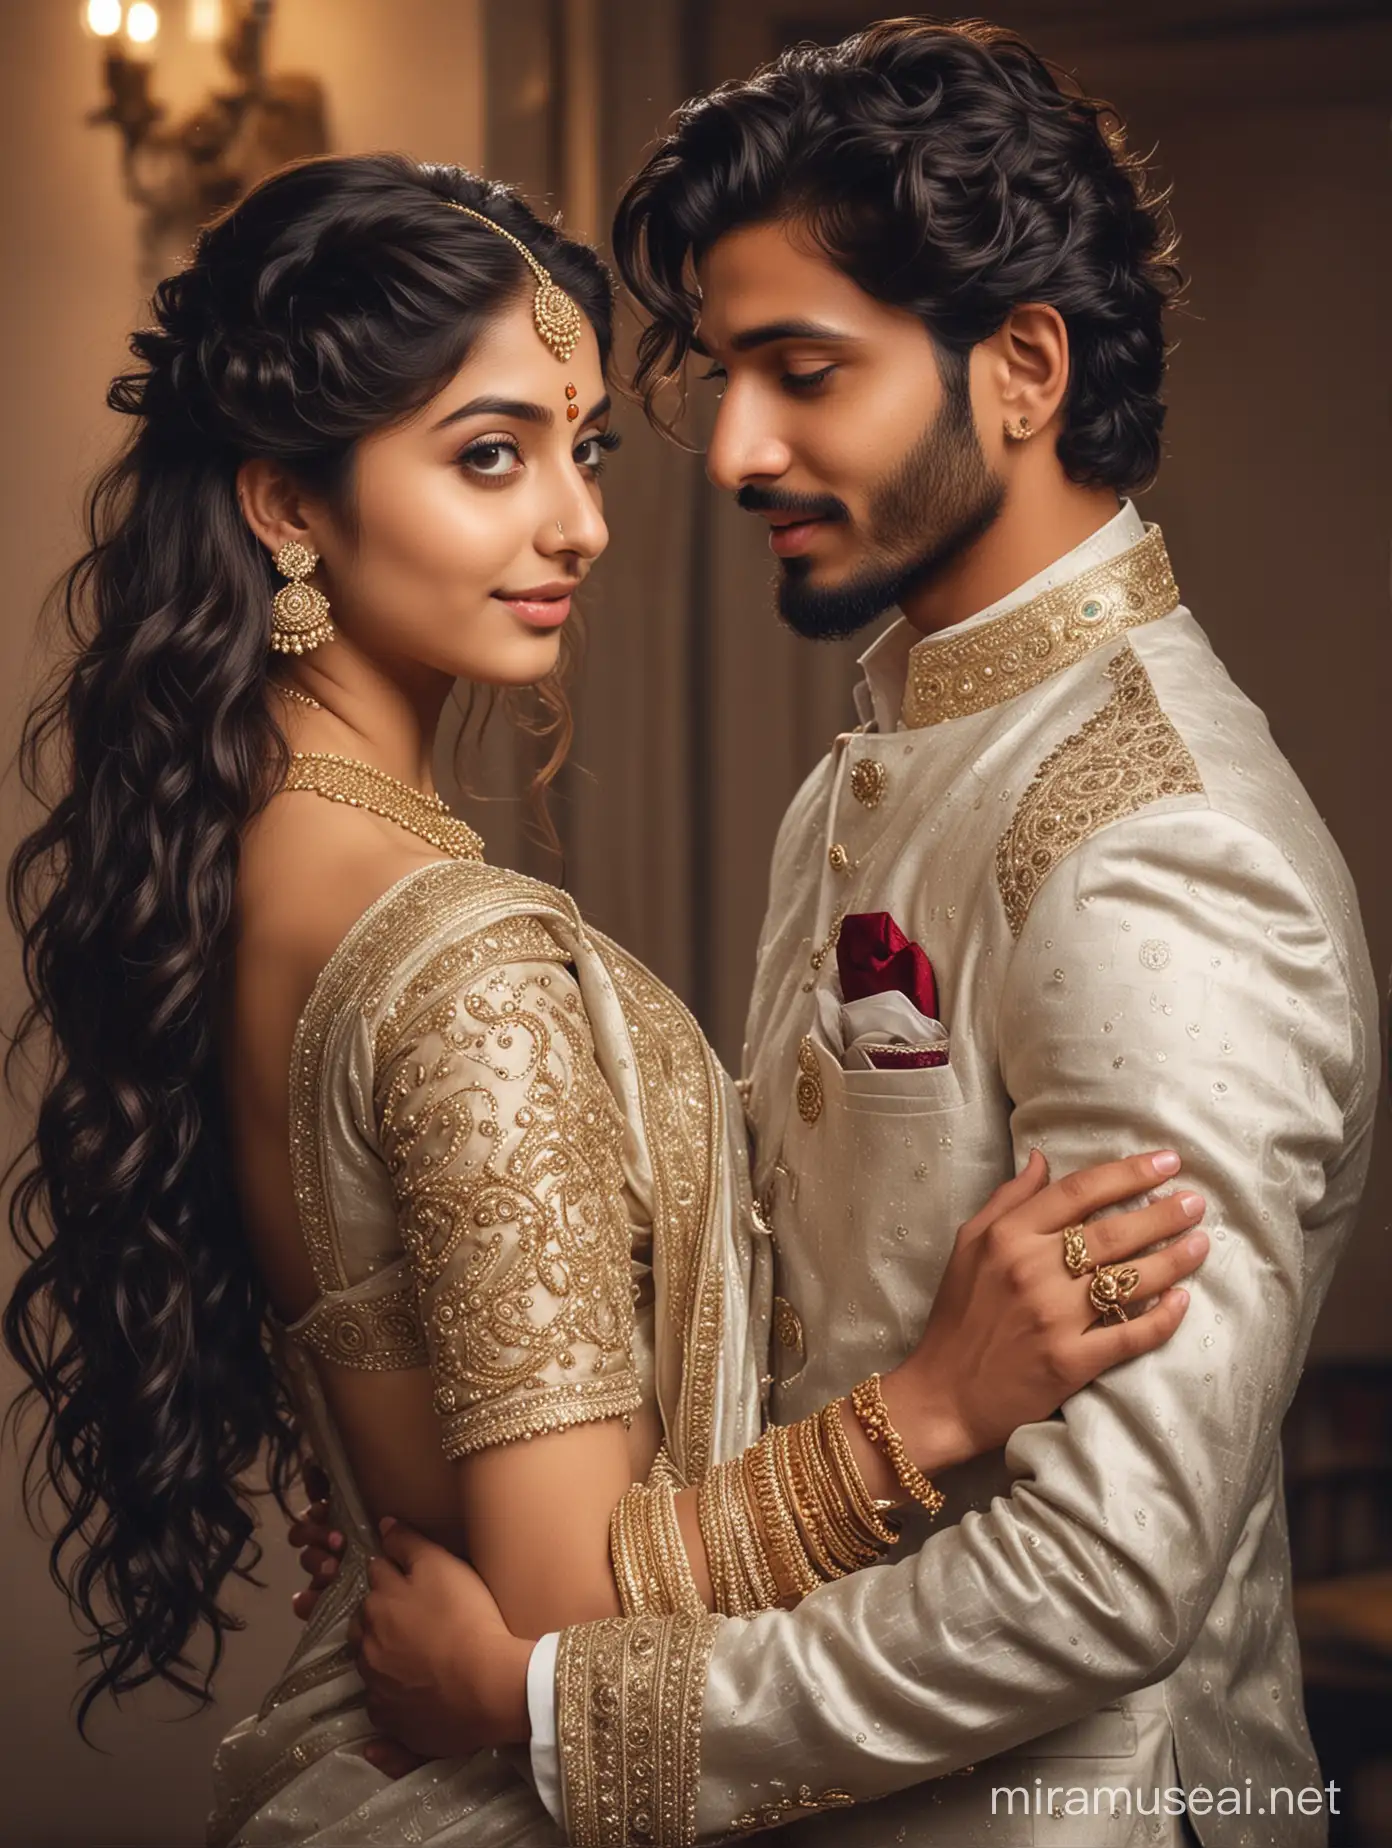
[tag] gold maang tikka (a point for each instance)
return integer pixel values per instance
(558, 320)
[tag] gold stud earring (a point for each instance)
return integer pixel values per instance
(1021, 432)
(300, 612)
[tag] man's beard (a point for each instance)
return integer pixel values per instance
(940, 499)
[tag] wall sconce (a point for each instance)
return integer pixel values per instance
(180, 174)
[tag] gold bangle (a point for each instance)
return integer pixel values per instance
(670, 1556)
(766, 1593)
(872, 1414)
(780, 1527)
(836, 1547)
(868, 1513)
(634, 1571)
(740, 1576)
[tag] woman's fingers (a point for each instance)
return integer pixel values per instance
(1076, 1196)
(1154, 1275)
(1026, 1184)
(1126, 1235)
(1141, 1334)
(319, 1564)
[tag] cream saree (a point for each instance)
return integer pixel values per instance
(518, 1163)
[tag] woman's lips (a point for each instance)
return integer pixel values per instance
(539, 612)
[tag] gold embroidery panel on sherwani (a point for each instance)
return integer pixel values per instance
(504, 1146)
(954, 677)
(1124, 757)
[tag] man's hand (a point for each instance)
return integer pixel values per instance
(320, 1544)
(444, 1675)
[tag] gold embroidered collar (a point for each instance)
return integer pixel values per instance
(951, 678)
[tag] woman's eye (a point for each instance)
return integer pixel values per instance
(590, 454)
(493, 459)
(807, 381)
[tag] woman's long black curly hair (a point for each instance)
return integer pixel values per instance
(945, 171)
(336, 299)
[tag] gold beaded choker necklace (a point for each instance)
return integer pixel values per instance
(360, 785)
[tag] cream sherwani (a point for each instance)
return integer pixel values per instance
(1144, 937)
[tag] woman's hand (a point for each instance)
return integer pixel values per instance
(444, 1674)
(1012, 1333)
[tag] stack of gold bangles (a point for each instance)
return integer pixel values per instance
(790, 1514)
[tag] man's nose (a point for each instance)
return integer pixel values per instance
(744, 446)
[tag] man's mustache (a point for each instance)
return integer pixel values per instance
(776, 500)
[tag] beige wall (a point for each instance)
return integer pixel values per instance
(406, 76)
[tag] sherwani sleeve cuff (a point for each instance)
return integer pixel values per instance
(541, 1708)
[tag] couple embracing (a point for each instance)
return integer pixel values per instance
(703, 1457)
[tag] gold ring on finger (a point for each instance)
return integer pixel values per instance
(1075, 1252)
(1113, 1286)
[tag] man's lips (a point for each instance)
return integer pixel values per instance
(545, 607)
(790, 534)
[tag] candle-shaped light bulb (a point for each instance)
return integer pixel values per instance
(205, 21)
(142, 23)
(104, 17)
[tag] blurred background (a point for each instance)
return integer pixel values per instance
(698, 715)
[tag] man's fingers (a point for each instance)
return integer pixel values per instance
(1064, 1203)
(403, 1545)
(391, 1759)
(1125, 1235)
(355, 1632)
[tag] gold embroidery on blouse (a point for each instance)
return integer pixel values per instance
(787, 1809)
(372, 1334)
(1024, 647)
(383, 940)
(504, 1145)
(684, 1127)
(1124, 757)
(629, 1694)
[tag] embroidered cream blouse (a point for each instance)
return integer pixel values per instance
(458, 1165)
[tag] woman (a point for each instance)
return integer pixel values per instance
(321, 1073)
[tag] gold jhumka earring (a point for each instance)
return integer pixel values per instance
(300, 612)
(558, 321)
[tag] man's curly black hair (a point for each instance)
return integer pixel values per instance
(945, 170)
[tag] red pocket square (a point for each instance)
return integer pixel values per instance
(874, 956)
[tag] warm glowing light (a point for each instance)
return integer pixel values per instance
(205, 21)
(142, 23)
(104, 17)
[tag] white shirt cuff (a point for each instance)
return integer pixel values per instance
(541, 1707)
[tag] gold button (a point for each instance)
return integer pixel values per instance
(838, 858)
(868, 780)
(787, 1324)
(809, 1082)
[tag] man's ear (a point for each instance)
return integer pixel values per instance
(273, 505)
(1032, 363)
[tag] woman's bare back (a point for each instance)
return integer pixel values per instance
(309, 871)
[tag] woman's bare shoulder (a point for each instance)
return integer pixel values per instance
(309, 870)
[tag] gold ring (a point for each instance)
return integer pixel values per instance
(1111, 1287)
(1075, 1252)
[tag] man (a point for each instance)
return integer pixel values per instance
(932, 289)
